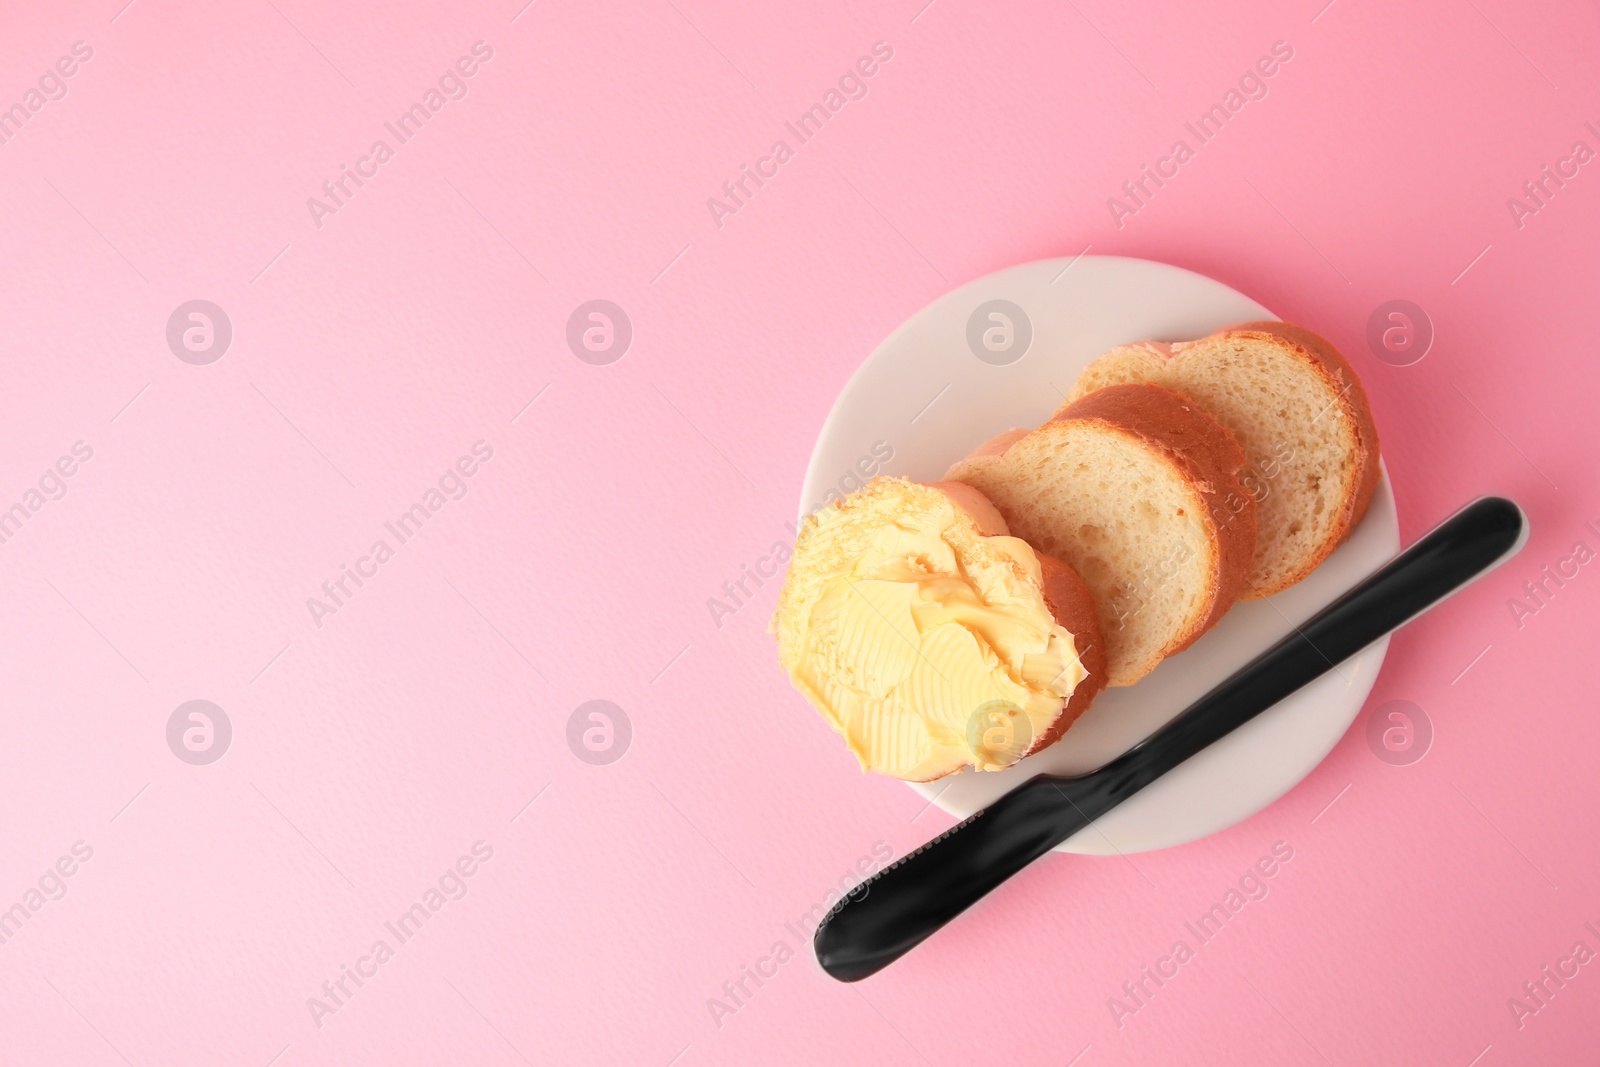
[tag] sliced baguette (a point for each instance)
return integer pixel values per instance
(1297, 409)
(931, 639)
(1137, 489)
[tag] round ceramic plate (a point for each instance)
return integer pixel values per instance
(1001, 352)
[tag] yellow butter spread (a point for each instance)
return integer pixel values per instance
(925, 644)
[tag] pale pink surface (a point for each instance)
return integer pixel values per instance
(373, 751)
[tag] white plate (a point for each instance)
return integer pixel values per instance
(926, 395)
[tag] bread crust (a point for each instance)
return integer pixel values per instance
(1341, 378)
(1178, 429)
(1070, 601)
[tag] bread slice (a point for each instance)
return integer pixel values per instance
(1297, 409)
(931, 639)
(1137, 489)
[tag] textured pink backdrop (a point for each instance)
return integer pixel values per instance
(429, 311)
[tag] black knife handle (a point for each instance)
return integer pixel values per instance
(902, 905)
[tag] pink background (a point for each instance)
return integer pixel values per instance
(423, 716)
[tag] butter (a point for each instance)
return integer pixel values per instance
(925, 644)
